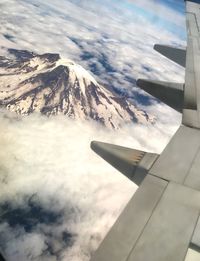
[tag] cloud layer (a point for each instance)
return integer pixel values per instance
(115, 43)
(57, 198)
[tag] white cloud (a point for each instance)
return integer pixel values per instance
(115, 43)
(48, 167)
(162, 11)
(48, 162)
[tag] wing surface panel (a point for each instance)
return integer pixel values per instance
(170, 228)
(176, 160)
(191, 110)
(120, 240)
(196, 236)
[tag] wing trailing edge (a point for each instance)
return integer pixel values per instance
(177, 55)
(168, 92)
(134, 164)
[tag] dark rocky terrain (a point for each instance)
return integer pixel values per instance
(48, 84)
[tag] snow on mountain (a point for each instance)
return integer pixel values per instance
(48, 84)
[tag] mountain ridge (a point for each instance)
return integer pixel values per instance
(51, 85)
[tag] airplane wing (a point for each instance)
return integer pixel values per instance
(162, 220)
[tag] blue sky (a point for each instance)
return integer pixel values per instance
(158, 18)
(179, 5)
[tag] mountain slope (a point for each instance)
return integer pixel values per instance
(50, 85)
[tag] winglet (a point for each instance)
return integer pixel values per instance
(177, 55)
(168, 92)
(134, 164)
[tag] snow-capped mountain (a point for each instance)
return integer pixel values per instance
(48, 84)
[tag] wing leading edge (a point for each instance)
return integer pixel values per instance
(162, 220)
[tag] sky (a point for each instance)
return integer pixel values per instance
(57, 198)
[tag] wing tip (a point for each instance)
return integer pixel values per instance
(134, 164)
